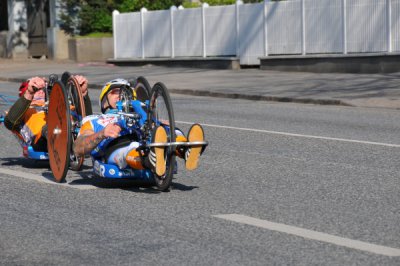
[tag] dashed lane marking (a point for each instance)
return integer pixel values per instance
(42, 179)
(297, 135)
(313, 235)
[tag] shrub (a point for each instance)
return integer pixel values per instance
(87, 16)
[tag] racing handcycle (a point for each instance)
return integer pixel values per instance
(140, 109)
(73, 90)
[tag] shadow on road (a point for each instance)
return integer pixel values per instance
(25, 163)
(143, 186)
(86, 177)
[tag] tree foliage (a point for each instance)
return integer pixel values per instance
(88, 16)
(95, 16)
(68, 16)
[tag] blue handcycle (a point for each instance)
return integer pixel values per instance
(139, 110)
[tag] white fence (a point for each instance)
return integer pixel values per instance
(250, 31)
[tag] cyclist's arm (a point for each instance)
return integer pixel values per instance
(88, 105)
(83, 82)
(14, 117)
(88, 139)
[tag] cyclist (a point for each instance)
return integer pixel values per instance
(27, 117)
(97, 130)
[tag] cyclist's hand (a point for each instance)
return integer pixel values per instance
(35, 84)
(83, 82)
(112, 130)
(164, 122)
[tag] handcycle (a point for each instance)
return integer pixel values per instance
(139, 110)
(73, 89)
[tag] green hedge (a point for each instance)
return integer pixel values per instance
(87, 16)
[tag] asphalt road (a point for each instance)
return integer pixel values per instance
(279, 184)
(361, 90)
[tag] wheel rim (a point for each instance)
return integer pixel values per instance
(77, 107)
(142, 89)
(125, 96)
(59, 137)
(161, 113)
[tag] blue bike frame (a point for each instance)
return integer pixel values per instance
(131, 123)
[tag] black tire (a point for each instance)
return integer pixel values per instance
(77, 107)
(161, 113)
(64, 77)
(52, 78)
(142, 89)
(125, 96)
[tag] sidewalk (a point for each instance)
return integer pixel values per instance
(366, 90)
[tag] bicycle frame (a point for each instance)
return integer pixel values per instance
(134, 123)
(27, 150)
(131, 123)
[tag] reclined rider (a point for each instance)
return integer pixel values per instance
(99, 132)
(27, 118)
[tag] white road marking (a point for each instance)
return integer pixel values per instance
(310, 234)
(42, 179)
(297, 135)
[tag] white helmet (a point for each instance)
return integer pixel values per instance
(115, 83)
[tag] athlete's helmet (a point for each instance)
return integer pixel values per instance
(115, 83)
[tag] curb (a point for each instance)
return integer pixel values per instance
(251, 97)
(259, 97)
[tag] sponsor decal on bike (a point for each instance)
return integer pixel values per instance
(98, 169)
(105, 120)
(127, 172)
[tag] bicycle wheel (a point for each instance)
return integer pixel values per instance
(125, 96)
(162, 114)
(52, 78)
(59, 128)
(64, 77)
(77, 109)
(142, 89)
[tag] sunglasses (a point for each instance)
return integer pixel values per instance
(115, 91)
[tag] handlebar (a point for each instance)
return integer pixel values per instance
(139, 115)
(133, 116)
(52, 79)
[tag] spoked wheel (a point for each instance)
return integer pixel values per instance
(77, 108)
(125, 96)
(162, 114)
(142, 89)
(59, 132)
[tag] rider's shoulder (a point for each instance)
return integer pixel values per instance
(99, 117)
(90, 118)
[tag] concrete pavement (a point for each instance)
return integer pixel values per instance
(366, 90)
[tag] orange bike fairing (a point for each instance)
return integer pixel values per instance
(86, 126)
(133, 159)
(34, 121)
(181, 138)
